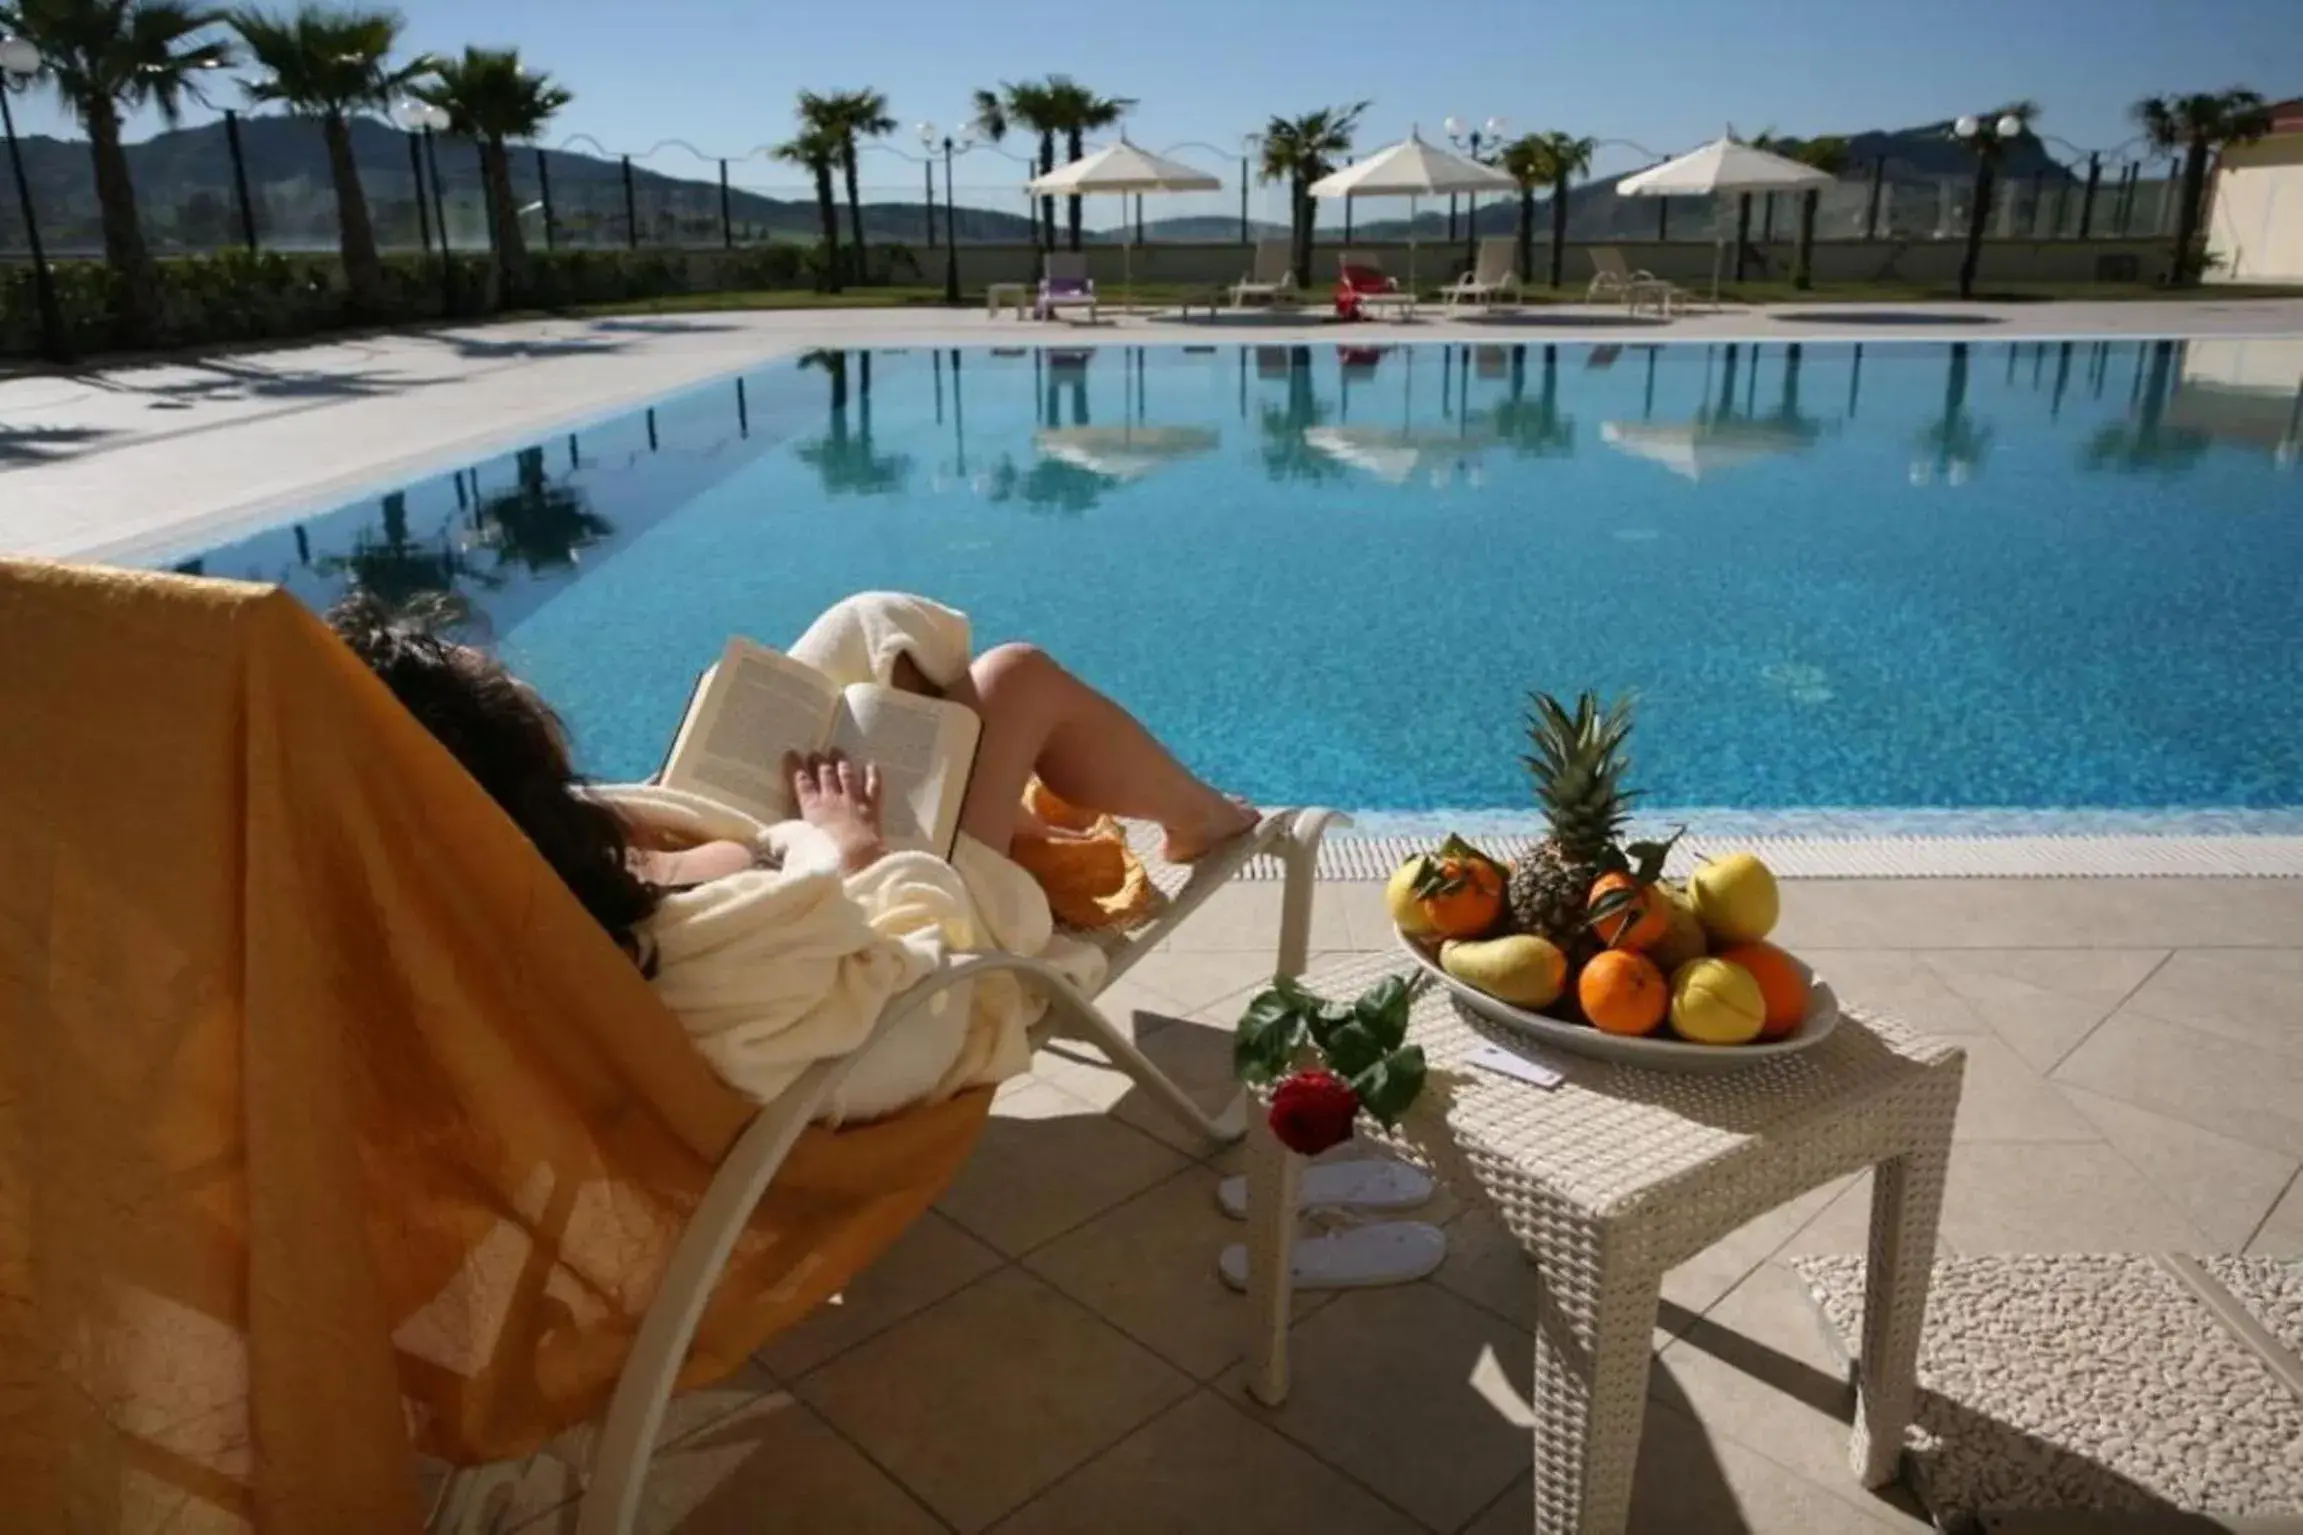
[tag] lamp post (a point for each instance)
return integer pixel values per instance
(1469, 140)
(421, 117)
(1250, 146)
(1987, 140)
(931, 139)
(20, 64)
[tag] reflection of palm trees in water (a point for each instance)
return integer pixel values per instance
(1050, 485)
(1286, 455)
(537, 524)
(2147, 443)
(396, 568)
(845, 460)
(1534, 428)
(1952, 447)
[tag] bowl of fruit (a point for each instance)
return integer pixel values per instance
(1582, 943)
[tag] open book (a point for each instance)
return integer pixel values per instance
(756, 704)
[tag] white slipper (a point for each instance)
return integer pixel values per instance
(1356, 1258)
(1369, 1183)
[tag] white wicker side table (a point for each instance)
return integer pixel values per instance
(1619, 1173)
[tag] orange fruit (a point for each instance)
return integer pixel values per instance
(1640, 925)
(1783, 983)
(1622, 993)
(1460, 897)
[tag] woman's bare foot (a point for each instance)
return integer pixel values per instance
(1189, 844)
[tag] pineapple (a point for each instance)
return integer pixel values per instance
(1578, 763)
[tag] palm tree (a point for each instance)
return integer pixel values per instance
(1522, 159)
(489, 97)
(1534, 428)
(2197, 126)
(1552, 159)
(817, 150)
(847, 462)
(1828, 153)
(329, 63)
(402, 570)
(1079, 112)
(2150, 444)
(1953, 444)
(1032, 108)
(1988, 146)
(1299, 151)
(537, 524)
(849, 116)
(107, 58)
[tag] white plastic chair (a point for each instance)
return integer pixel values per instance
(1494, 271)
(1067, 285)
(1271, 276)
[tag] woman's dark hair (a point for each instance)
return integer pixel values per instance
(508, 739)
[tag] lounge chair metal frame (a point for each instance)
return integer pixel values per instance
(1632, 286)
(1074, 269)
(625, 1442)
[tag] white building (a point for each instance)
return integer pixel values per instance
(2255, 216)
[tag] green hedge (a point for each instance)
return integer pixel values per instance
(252, 296)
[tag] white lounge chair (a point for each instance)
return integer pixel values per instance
(1271, 276)
(1494, 272)
(1067, 285)
(1614, 278)
(625, 1440)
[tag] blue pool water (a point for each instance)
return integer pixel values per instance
(2059, 574)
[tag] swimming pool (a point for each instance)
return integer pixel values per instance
(1975, 574)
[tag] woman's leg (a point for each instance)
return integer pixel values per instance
(1039, 718)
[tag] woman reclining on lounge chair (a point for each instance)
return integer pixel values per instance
(777, 946)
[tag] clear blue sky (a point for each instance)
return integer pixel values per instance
(1665, 73)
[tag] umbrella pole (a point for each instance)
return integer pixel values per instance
(1718, 259)
(1411, 209)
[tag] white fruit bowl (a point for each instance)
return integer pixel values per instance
(1656, 1054)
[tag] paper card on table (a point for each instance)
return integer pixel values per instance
(1512, 1064)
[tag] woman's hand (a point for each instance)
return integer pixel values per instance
(841, 799)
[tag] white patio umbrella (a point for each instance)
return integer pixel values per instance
(1122, 168)
(1414, 170)
(1124, 453)
(1396, 455)
(1723, 165)
(1694, 450)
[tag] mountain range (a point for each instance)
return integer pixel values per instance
(184, 186)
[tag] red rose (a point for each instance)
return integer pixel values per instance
(1312, 1111)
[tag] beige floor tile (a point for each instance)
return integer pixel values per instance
(1148, 1267)
(1206, 1467)
(2250, 1094)
(2040, 913)
(2282, 1233)
(1692, 1482)
(2224, 1187)
(553, 1479)
(1196, 977)
(2043, 1002)
(1366, 917)
(928, 1262)
(984, 1399)
(1759, 1371)
(1046, 1162)
(1416, 1390)
(2248, 996)
(2003, 1097)
(1240, 916)
(2047, 1198)
(775, 1464)
(1196, 1056)
(1895, 981)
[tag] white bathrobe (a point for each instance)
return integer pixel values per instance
(775, 969)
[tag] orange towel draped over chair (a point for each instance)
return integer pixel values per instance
(331, 1127)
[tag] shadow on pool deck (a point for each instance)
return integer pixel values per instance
(25, 445)
(1886, 317)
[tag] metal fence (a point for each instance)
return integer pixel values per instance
(266, 182)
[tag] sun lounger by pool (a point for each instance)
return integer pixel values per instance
(1363, 287)
(1613, 278)
(1271, 276)
(1494, 273)
(1066, 285)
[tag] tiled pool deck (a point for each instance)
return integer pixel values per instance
(1051, 1351)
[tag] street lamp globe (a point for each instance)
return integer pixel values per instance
(2010, 126)
(927, 135)
(1497, 127)
(19, 59)
(1967, 127)
(1454, 127)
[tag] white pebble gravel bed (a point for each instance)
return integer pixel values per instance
(2061, 1382)
(2272, 1291)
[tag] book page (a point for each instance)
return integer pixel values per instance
(925, 750)
(752, 708)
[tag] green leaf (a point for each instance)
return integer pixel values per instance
(1352, 1049)
(1389, 1087)
(1613, 902)
(1647, 857)
(1382, 1010)
(1269, 1034)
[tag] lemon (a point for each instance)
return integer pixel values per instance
(1399, 895)
(1734, 898)
(1521, 969)
(1717, 1003)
